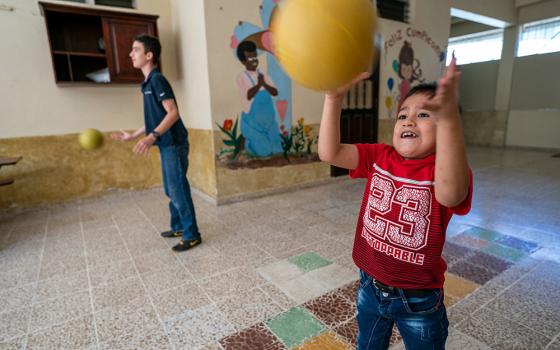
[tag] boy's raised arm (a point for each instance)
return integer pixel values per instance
(452, 169)
(330, 149)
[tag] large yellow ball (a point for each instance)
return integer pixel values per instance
(91, 139)
(324, 44)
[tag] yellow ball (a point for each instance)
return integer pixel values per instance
(324, 44)
(91, 139)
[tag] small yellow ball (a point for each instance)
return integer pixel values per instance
(91, 139)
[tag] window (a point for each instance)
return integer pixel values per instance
(539, 37)
(396, 10)
(479, 47)
(115, 3)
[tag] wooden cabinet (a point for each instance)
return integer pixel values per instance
(86, 40)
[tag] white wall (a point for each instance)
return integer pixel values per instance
(503, 10)
(539, 10)
(533, 128)
(32, 104)
(190, 35)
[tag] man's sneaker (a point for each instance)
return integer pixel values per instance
(171, 233)
(186, 245)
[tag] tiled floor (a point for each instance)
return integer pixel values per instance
(274, 272)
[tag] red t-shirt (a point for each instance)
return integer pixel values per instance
(401, 227)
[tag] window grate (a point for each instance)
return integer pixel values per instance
(479, 47)
(114, 3)
(539, 37)
(396, 10)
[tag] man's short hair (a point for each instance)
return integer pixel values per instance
(151, 44)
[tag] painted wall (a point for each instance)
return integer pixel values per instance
(40, 119)
(478, 86)
(503, 10)
(512, 102)
(223, 18)
(534, 118)
(465, 28)
(33, 104)
(539, 10)
(532, 86)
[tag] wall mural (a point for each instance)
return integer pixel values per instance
(413, 57)
(263, 134)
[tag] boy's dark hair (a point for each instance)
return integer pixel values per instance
(245, 46)
(151, 44)
(426, 89)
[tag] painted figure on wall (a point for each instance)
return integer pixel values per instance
(258, 119)
(408, 70)
(275, 76)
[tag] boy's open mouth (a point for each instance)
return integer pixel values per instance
(408, 134)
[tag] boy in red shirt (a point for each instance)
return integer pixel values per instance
(413, 189)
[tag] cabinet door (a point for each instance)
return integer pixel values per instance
(119, 35)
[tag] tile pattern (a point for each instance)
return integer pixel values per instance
(295, 326)
(95, 274)
(257, 337)
(309, 261)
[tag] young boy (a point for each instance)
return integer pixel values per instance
(164, 128)
(413, 188)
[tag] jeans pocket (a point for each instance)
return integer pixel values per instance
(425, 304)
(364, 279)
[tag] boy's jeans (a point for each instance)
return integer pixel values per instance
(422, 321)
(174, 164)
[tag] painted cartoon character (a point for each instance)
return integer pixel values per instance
(409, 70)
(258, 120)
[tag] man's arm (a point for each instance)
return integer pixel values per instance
(143, 146)
(452, 168)
(126, 136)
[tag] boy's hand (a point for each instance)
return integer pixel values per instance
(122, 136)
(341, 91)
(445, 102)
(143, 146)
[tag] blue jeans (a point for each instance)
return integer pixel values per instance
(422, 321)
(174, 164)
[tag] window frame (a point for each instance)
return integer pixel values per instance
(524, 26)
(472, 38)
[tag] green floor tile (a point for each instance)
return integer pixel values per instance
(503, 252)
(309, 261)
(295, 326)
(483, 233)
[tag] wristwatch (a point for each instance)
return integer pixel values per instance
(156, 134)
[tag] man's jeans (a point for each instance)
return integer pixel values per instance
(174, 164)
(422, 321)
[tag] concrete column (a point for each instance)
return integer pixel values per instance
(503, 86)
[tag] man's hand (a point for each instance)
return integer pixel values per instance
(445, 102)
(122, 136)
(142, 147)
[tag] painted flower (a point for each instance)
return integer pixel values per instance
(306, 129)
(285, 133)
(300, 121)
(228, 124)
(282, 127)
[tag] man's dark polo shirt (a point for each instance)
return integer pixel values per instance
(156, 89)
